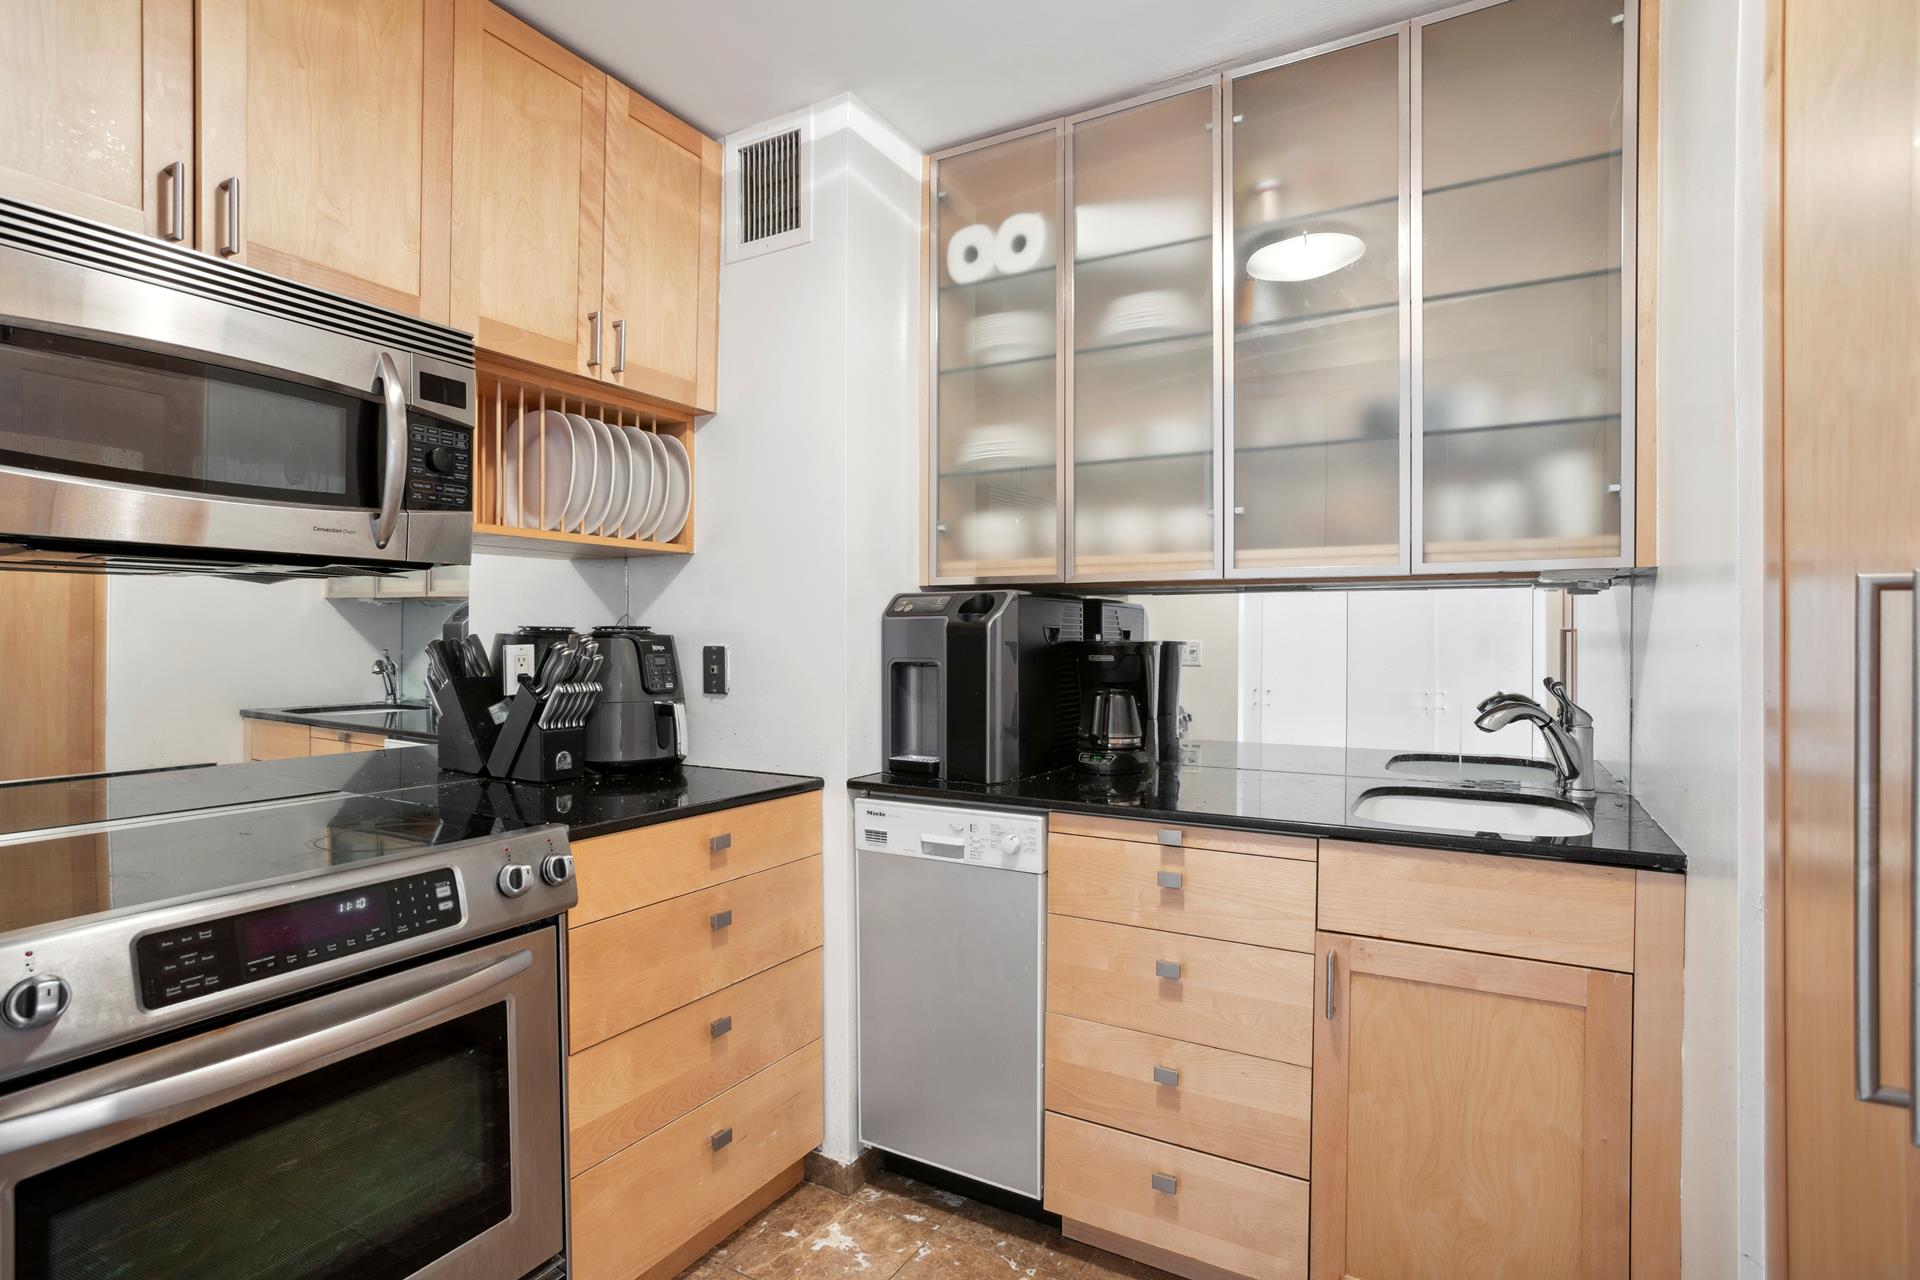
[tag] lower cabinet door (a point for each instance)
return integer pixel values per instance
(1168, 1205)
(632, 1210)
(1470, 1115)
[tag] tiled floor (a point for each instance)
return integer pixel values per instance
(897, 1229)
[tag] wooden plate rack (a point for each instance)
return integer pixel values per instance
(509, 389)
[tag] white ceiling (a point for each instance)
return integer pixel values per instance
(938, 72)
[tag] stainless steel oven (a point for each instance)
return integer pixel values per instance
(161, 409)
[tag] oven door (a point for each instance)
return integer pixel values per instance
(412, 1125)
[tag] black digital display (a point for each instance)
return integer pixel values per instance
(316, 920)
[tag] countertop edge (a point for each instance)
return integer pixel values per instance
(332, 722)
(1410, 837)
(790, 785)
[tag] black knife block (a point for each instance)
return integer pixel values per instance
(471, 712)
(528, 753)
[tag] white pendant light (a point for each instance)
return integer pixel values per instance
(1307, 256)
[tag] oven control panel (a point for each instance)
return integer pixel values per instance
(174, 965)
(439, 466)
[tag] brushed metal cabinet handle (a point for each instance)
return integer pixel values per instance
(1172, 836)
(1167, 969)
(230, 246)
(720, 1026)
(593, 339)
(720, 843)
(720, 919)
(1329, 986)
(619, 346)
(1169, 880)
(175, 175)
(1868, 590)
(1167, 1076)
(1166, 1184)
(721, 1139)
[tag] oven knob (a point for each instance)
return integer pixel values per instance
(1010, 845)
(557, 868)
(515, 879)
(442, 459)
(36, 1002)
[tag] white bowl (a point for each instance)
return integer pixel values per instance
(656, 500)
(642, 479)
(679, 489)
(533, 433)
(600, 479)
(622, 485)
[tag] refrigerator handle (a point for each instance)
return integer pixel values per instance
(1868, 589)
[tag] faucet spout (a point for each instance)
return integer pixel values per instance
(1571, 748)
(389, 672)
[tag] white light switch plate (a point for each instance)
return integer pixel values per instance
(1190, 653)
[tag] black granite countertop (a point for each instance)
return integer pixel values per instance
(409, 722)
(464, 806)
(1311, 791)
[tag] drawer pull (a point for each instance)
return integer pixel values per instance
(720, 920)
(1168, 969)
(1167, 1076)
(720, 843)
(1172, 836)
(720, 1026)
(721, 1139)
(1166, 1184)
(1170, 879)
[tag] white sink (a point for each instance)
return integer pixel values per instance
(1474, 769)
(1508, 816)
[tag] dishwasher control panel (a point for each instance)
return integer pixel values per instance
(1007, 840)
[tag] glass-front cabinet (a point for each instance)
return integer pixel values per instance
(1145, 378)
(1365, 310)
(997, 373)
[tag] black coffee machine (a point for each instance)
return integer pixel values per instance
(1129, 704)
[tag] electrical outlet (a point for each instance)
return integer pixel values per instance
(713, 669)
(1189, 653)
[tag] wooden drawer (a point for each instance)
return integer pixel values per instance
(275, 740)
(1181, 835)
(1228, 995)
(1236, 896)
(651, 864)
(632, 1211)
(623, 1089)
(339, 742)
(1526, 907)
(1241, 1220)
(1246, 1109)
(636, 966)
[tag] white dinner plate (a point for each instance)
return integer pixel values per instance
(679, 490)
(657, 499)
(640, 490)
(527, 437)
(592, 482)
(622, 453)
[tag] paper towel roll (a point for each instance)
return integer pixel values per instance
(970, 254)
(1022, 244)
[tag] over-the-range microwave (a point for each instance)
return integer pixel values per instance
(162, 409)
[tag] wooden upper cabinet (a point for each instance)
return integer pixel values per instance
(98, 104)
(325, 144)
(662, 252)
(529, 150)
(1470, 1115)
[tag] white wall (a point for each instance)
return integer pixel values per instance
(808, 498)
(1698, 732)
(1210, 692)
(507, 592)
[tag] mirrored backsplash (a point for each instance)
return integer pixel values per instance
(1400, 669)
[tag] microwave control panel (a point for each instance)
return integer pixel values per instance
(173, 965)
(439, 466)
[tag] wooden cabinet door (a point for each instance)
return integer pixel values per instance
(325, 146)
(662, 252)
(529, 147)
(1470, 1115)
(98, 104)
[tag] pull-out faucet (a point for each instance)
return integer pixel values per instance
(1569, 735)
(389, 672)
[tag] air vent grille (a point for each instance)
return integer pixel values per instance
(876, 838)
(770, 187)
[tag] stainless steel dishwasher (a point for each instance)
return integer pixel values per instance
(952, 917)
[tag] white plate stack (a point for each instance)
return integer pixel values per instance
(588, 477)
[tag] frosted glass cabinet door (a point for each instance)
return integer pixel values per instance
(1520, 232)
(996, 216)
(1319, 324)
(1144, 372)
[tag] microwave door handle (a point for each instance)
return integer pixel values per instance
(169, 1090)
(393, 476)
